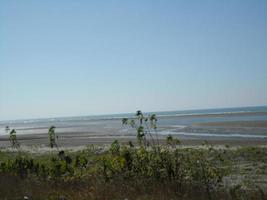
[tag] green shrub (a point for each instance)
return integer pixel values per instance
(52, 137)
(13, 139)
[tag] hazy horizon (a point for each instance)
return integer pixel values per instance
(81, 58)
(133, 113)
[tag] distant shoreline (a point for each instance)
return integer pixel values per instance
(219, 114)
(216, 112)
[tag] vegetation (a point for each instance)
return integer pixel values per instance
(52, 137)
(171, 141)
(146, 128)
(122, 171)
(13, 139)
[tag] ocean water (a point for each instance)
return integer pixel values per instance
(172, 122)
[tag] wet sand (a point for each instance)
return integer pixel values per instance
(83, 139)
(229, 114)
(233, 124)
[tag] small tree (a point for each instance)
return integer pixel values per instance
(144, 129)
(141, 135)
(115, 148)
(52, 137)
(171, 141)
(13, 139)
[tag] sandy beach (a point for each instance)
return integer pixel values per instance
(75, 140)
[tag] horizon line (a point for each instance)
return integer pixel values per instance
(105, 114)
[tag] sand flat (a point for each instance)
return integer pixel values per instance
(74, 140)
(233, 124)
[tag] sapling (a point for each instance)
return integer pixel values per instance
(171, 141)
(115, 148)
(52, 137)
(13, 139)
(143, 127)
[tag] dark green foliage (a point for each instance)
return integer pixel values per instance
(80, 161)
(60, 168)
(130, 143)
(126, 161)
(20, 166)
(140, 135)
(115, 148)
(52, 137)
(13, 139)
(125, 121)
(195, 167)
(169, 140)
(145, 131)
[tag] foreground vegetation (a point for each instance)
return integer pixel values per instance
(128, 172)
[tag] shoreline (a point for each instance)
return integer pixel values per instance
(111, 118)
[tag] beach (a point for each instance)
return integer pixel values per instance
(235, 128)
(76, 140)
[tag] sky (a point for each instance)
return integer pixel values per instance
(73, 58)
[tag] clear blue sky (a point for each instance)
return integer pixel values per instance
(68, 58)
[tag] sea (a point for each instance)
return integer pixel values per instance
(245, 122)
